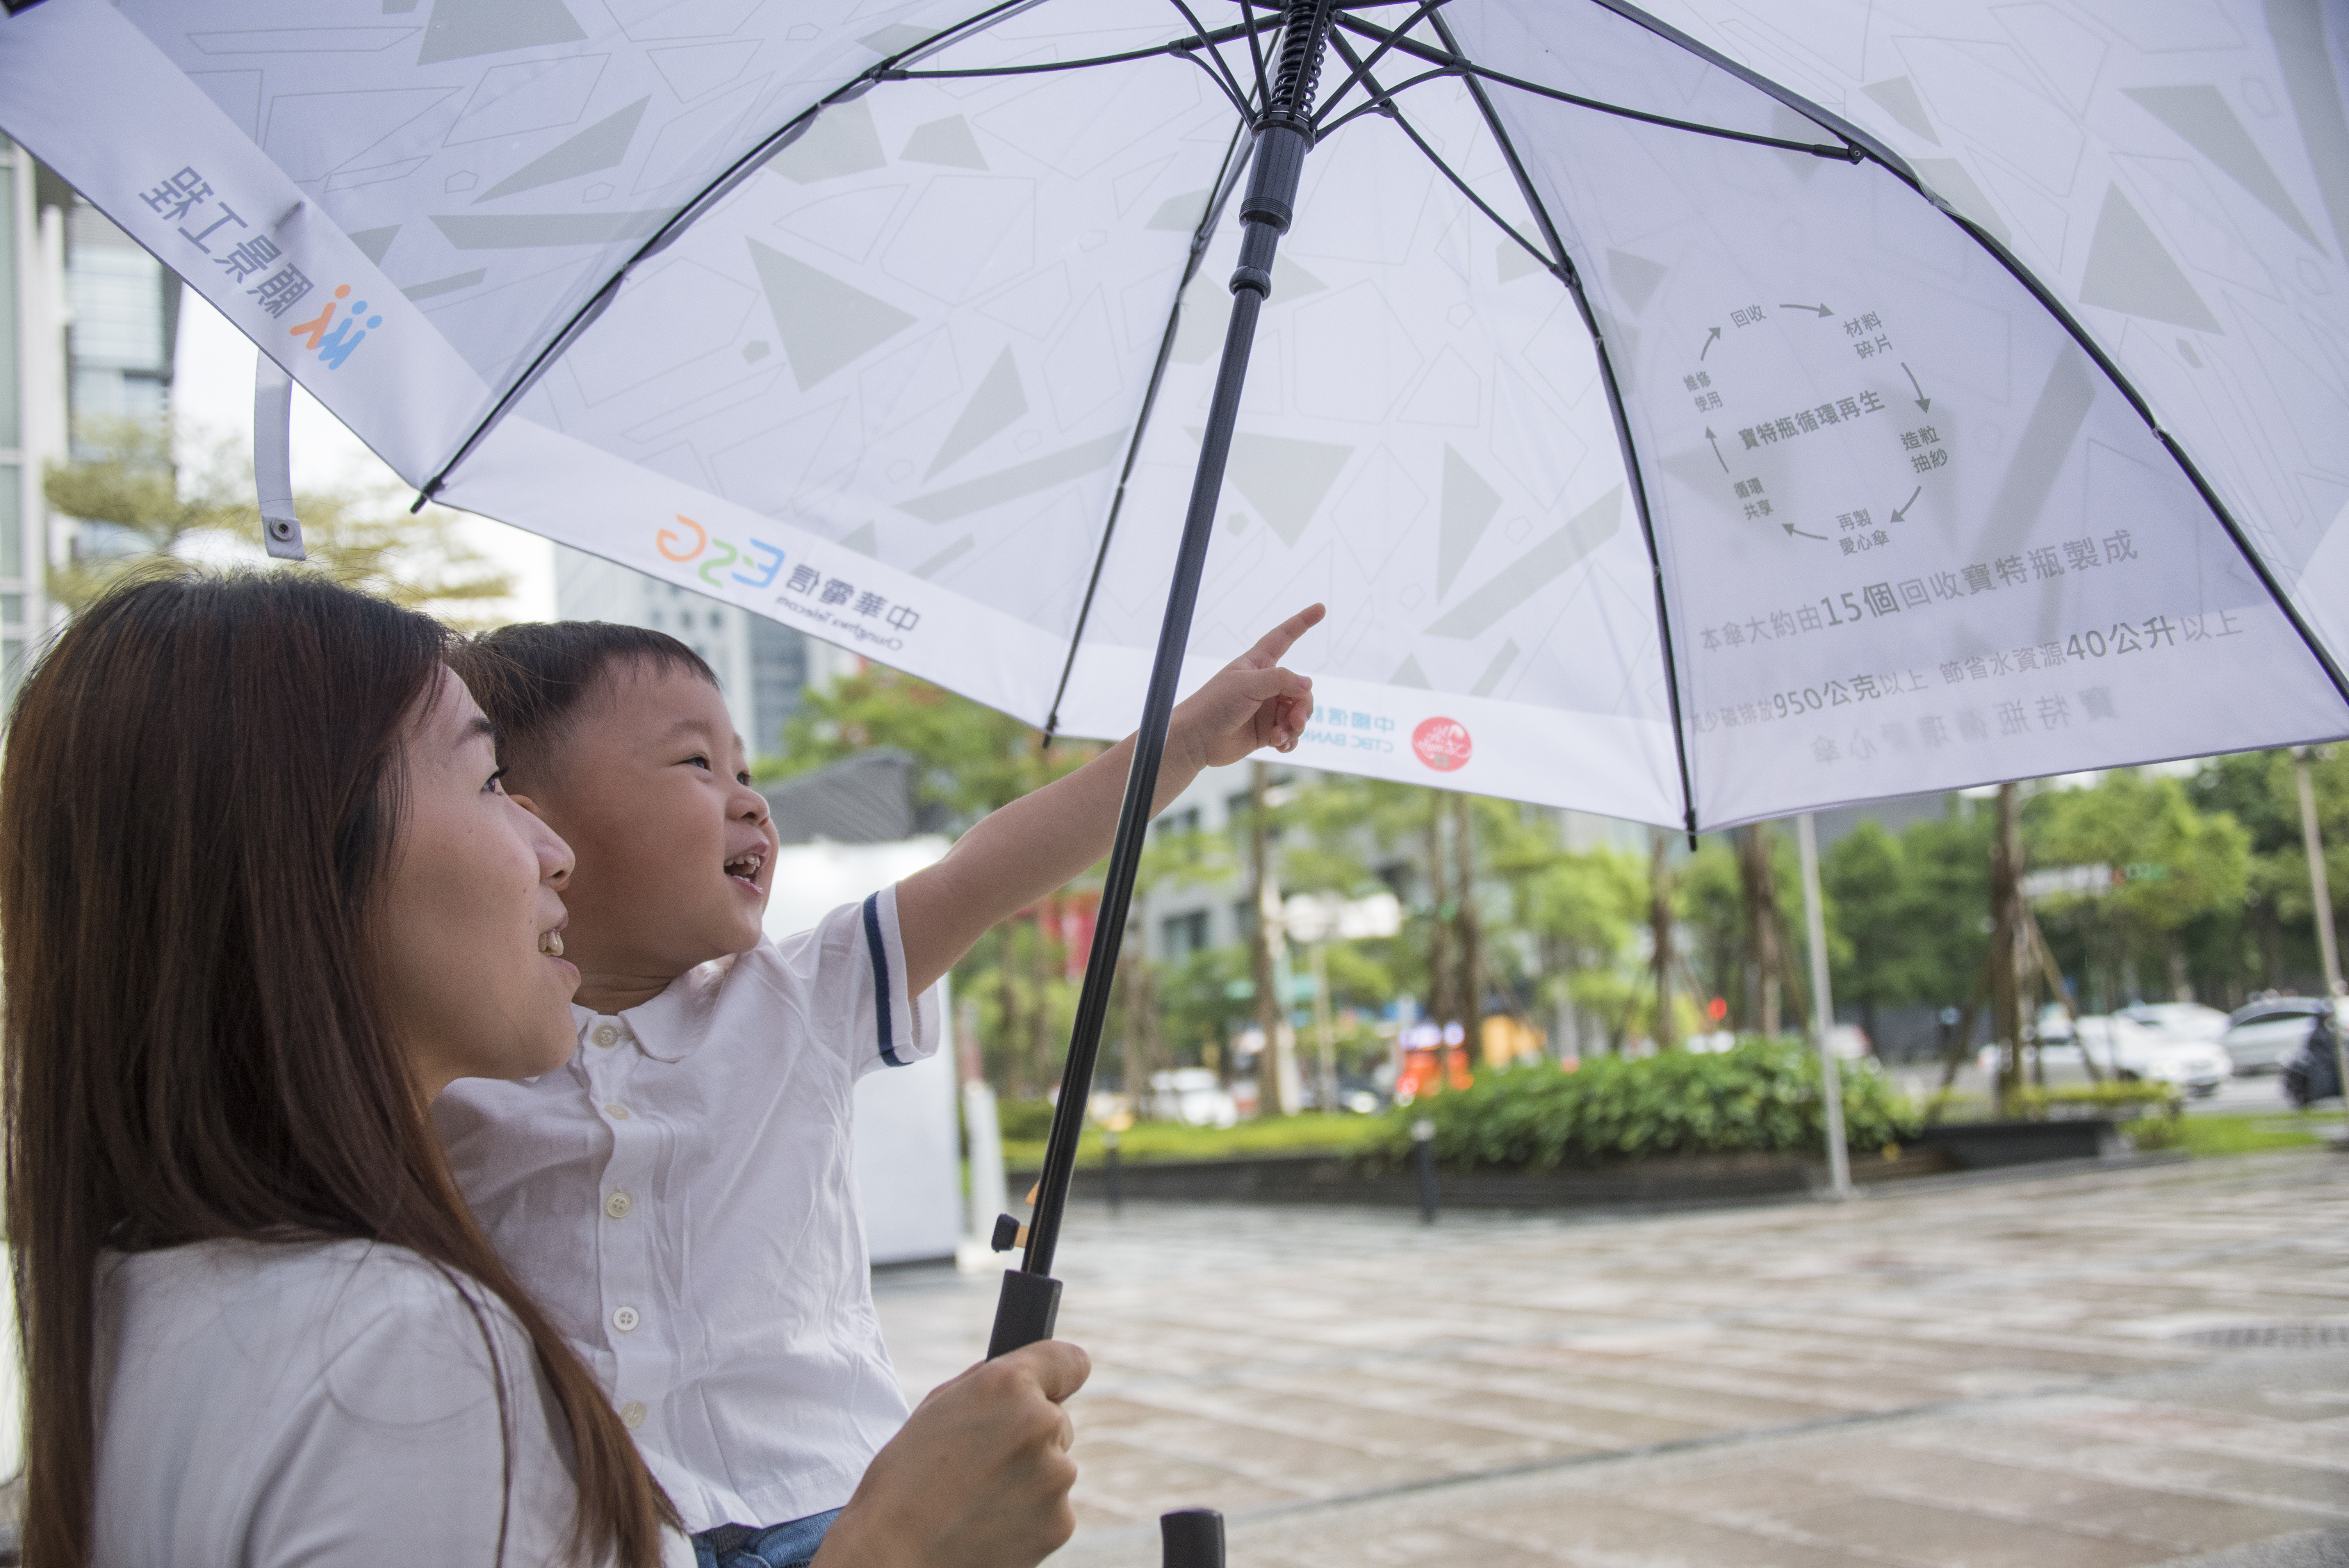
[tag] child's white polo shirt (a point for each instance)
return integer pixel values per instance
(681, 1198)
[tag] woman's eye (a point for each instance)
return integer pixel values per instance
(496, 784)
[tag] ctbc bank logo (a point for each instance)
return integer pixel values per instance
(1442, 744)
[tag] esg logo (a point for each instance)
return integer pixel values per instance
(676, 547)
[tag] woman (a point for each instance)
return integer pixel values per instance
(261, 899)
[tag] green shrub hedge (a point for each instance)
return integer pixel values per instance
(2119, 1100)
(1762, 1098)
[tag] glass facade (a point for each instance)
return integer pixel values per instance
(11, 434)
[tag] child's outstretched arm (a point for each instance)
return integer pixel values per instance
(1014, 856)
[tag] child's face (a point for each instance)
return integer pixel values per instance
(675, 852)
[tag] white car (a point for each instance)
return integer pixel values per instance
(1193, 1096)
(2262, 1037)
(2127, 1050)
(2186, 1022)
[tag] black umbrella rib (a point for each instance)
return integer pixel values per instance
(1172, 47)
(1227, 182)
(1231, 83)
(1562, 265)
(1877, 152)
(1382, 102)
(2202, 486)
(734, 174)
(1256, 52)
(1361, 71)
(1453, 61)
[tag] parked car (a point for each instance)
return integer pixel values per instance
(2262, 1037)
(1192, 1095)
(2187, 1022)
(2125, 1051)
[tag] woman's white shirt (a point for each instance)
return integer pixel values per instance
(272, 1405)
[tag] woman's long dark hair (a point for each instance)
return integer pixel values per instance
(199, 803)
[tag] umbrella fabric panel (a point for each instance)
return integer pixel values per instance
(1912, 535)
(2179, 178)
(154, 152)
(890, 394)
(1426, 447)
(501, 162)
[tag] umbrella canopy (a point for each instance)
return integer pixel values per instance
(1694, 418)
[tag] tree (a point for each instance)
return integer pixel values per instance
(2171, 864)
(1864, 878)
(169, 518)
(973, 759)
(1578, 911)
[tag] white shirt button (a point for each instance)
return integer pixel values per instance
(605, 1034)
(616, 1112)
(618, 1204)
(632, 1415)
(624, 1319)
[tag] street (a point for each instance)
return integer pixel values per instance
(2140, 1366)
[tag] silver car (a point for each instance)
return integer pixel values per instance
(2260, 1036)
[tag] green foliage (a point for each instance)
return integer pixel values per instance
(1201, 999)
(2120, 1101)
(2225, 1134)
(174, 517)
(1762, 1098)
(1906, 914)
(973, 759)
(1024, 1121)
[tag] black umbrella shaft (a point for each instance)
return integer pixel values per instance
(1282, 138)
(1141, 786)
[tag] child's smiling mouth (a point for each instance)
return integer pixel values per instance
(745, 868)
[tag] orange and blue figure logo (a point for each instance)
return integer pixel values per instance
(334, 346)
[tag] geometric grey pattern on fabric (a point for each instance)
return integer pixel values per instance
(459, 29)
(1874, 521)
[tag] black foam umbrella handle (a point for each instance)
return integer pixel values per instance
(1025, 1312)
(1192, 1537)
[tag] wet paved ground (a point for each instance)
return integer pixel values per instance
(2127, 1366)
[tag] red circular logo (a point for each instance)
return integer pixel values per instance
(1442, 744)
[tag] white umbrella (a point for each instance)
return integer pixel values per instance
(1693, 426)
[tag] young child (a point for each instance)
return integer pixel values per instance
(679, 1196)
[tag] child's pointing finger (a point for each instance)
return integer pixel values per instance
(1276, 642)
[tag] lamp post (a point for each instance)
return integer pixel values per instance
(2327, 942)
(1815, 925)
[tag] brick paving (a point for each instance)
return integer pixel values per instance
(2137, 1365)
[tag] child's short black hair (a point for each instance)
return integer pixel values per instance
(532, 678)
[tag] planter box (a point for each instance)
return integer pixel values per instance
(1331, 1179)
(1984, 1145)
(1692, 1180)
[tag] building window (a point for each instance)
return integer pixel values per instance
(1185, 821)
(1183, 935)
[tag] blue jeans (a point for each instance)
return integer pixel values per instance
(773, 1546)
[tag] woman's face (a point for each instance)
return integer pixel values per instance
(469, 908)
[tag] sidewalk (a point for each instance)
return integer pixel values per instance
(2051, 1371)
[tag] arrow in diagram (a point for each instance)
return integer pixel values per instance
(1792, 530)
(1820, 308)
(1901, 511)
(1922, 401)
(1716, 449)
(1709, 338)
